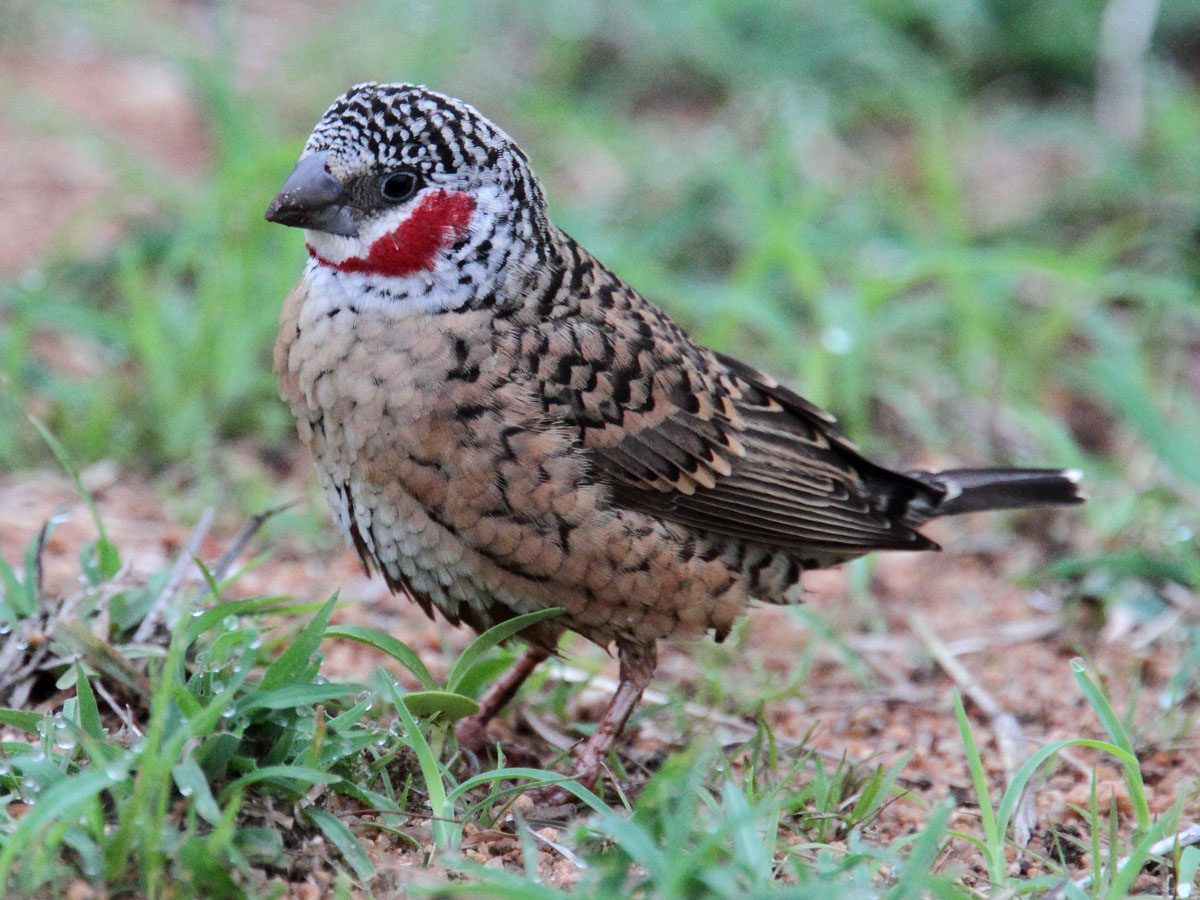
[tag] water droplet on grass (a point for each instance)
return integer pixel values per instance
(837, 340)
(64, 734)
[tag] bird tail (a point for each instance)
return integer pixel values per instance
(976, 490)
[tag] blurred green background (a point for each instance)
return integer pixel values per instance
(968, 227)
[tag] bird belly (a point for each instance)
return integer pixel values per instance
(443, 471)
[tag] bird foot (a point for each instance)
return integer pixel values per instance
(472, 735)
(586, 763)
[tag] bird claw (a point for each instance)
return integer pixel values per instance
(471, 734)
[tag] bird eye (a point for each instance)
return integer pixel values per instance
(398, 186)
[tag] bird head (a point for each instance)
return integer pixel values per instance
(414, 191)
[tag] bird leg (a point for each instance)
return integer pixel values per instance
(472, 731)
(637, 668)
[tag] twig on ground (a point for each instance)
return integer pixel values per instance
(1162, 624)
(43, 534)
(1005, 635)
(249, 530)
(559, 740)
(1014, 746)
(187, 556)
(1184, 838)
(1126, 28)
(76, 637)
(122, 712)
(175, 577)
(565, 852)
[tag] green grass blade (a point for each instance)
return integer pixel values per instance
(993, 836)
(384, 643)
(1112, 724)
(23, 719)
(1189, 864)
(108, 560)
(89, 712)
(296, 695)
(1123, 879)
(292, 664)
(258, 606)
(915, 875)
(540, 776)
(13, 594)
(875, 793)
(192, 783)
(1012, 796)
(61, 801)
(450, 707)
(446, 834)
(490, 638)
(338, 834)
(302, 774)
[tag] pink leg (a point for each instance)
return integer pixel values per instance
(472, 731)
(637, 668)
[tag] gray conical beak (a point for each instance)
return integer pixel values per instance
(312, 198)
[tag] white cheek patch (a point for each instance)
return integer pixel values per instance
(489, 205)
(337, 248)
(450, 280)
(334, 247)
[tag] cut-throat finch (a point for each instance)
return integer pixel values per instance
(503, 425)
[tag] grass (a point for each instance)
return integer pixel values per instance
(228, 716)
(227, 726)
(222, 717)
(813, 187)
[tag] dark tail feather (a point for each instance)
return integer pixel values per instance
(976, 490)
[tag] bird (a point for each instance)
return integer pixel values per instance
(502, 425)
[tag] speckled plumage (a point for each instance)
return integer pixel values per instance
(503, 425)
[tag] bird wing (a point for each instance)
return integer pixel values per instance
(708, 442)
(768, 467)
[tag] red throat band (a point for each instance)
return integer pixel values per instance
(439, 220)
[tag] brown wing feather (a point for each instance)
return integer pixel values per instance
(706, 441)
(793, 485)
